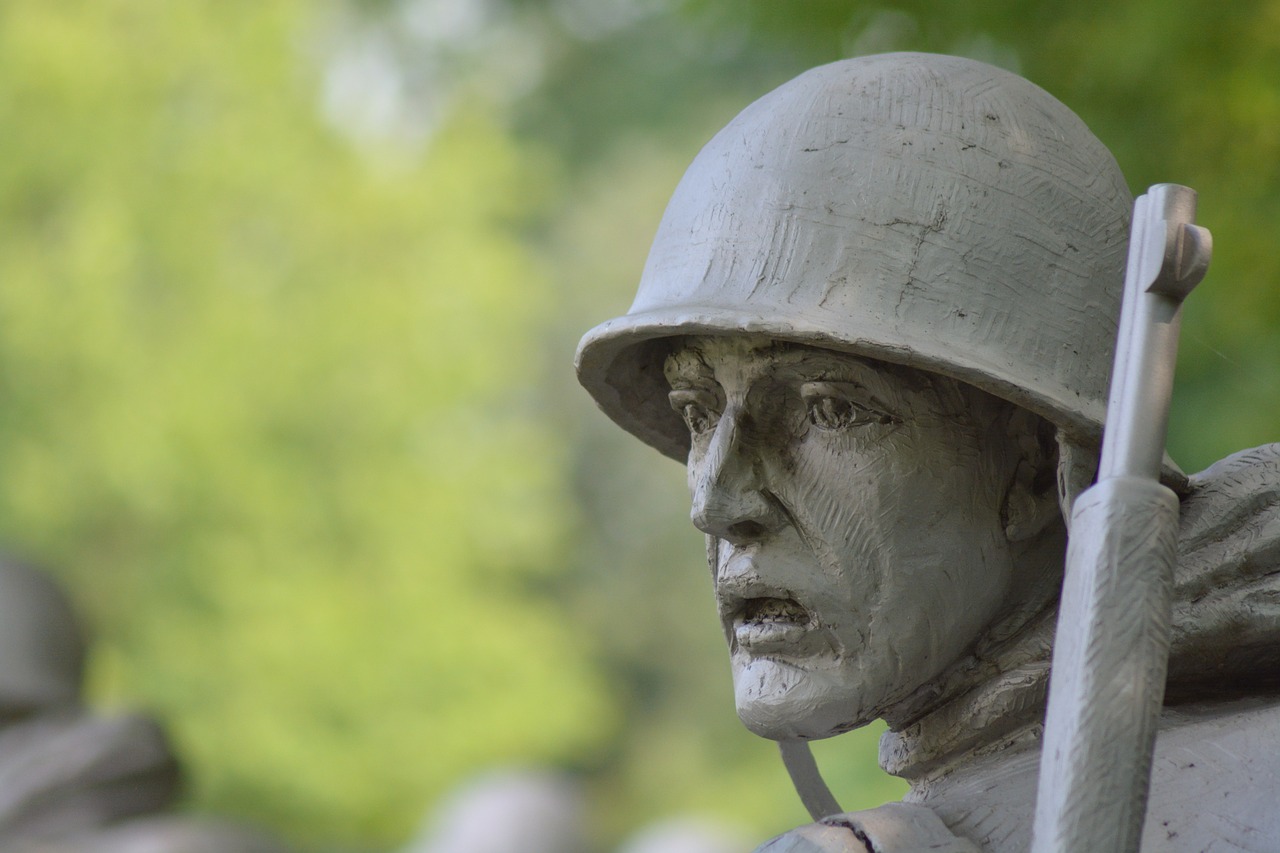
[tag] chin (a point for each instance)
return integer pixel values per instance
(782, 701)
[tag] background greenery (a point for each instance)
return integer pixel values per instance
(288, 297)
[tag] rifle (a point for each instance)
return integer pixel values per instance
(1111, 648)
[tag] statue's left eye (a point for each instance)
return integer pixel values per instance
(830, 410)
(834, 413)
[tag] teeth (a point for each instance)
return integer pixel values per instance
(773, 610)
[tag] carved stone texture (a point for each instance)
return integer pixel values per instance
(1124, 533)
(877, 323)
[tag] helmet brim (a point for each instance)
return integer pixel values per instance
(620, 363)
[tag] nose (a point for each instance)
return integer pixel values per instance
(729, 499)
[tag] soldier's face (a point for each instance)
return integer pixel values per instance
(855, 512)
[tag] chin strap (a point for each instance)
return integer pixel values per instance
(796, 755)
(814, 793)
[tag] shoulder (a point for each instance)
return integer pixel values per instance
(1226, 610)
(891, 828)
(1215, 777)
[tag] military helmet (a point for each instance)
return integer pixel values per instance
(930, 211)
(42, 647)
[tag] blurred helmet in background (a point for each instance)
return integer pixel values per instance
(42, 646)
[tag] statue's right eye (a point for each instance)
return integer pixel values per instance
(698, 409)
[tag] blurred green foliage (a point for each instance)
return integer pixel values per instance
(286, 383)
(268, 404)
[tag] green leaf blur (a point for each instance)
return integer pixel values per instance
(267, 405)
(288, 401)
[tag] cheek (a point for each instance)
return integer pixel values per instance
(852, 488)
(911, 514)
(946, 482)
(955, 549)
(835, 497)
(842, 503)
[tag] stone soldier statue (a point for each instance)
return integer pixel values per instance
(877, 322)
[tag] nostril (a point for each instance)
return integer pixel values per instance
(746, 530)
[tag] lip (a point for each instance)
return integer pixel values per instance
(761, 618)
(771, 625)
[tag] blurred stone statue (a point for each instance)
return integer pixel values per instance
(508, 811)
(528, 810)
(877, 324)
(72, 781)
(684, 835)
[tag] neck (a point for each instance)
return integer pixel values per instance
(989, 702)
(994, 692)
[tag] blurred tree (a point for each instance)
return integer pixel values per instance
(268, 402)
(290, 293)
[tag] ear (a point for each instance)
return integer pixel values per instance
(1077, 469)
(1031, 503)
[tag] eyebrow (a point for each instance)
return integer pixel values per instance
(687, 361)
(850, 365)
(887, 388)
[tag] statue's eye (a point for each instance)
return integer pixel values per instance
(697, 408)
(830, 408)
(697, 418)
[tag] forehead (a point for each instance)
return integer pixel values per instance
(712, 354)
(749, 358)
(743, 361)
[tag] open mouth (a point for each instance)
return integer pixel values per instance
(770, 624)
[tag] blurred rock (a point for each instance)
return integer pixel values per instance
(65, 772)
(160, 834)
(509, 811)
(686, 835)
(72, 781)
